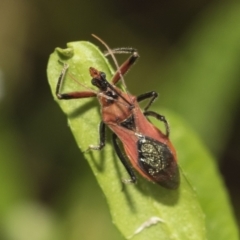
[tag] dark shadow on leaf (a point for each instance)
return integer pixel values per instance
(159, 194)
(164, 196)
(78, 111)
(119, 177)
(101, 164)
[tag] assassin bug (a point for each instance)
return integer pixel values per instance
(149, 151)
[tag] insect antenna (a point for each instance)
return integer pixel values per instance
(187, 180)
(110, 52)
(81, 84)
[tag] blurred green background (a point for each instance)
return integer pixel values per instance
(190, 54)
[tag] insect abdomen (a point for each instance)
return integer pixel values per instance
(158, 162)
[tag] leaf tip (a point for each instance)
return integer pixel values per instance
(65, 53)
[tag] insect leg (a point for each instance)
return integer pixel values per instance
(123, 160)
(70, 95)
(102, 135)
(127, 64)
(161, 118)
(153, 95)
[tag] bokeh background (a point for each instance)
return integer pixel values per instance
(190, 54)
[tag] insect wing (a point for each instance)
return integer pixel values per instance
(149, 150)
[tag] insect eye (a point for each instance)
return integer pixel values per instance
(103, 75)
(99, 83)
(95, 82)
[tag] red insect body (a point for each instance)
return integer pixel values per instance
(114, 114)
(149, 151)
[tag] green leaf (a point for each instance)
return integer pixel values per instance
(202, 172)
(132, 205)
